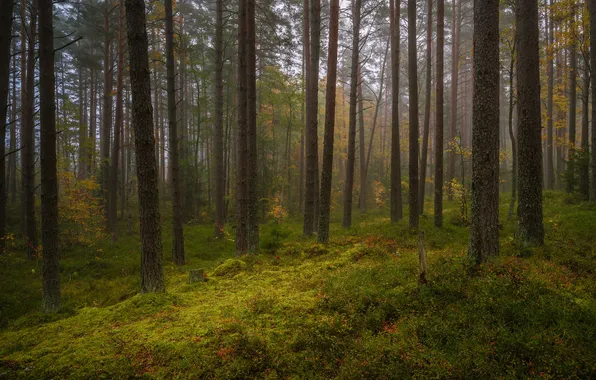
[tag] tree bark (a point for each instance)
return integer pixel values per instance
(6, 8)
(107, 114)
(584, 175)
(529, 212)
(49, 174)
(484, 232)
(242, 161)
(251, 90)
(349, 185)
(177, 229)
(550, 170)
(396, 194)
(413, 108)
(218, 148)
(439, 139)
(312, 104)
(142, 119)
(592, 4)
(113, 204)
(423, 159)
(327, 171)
(570, 175)
(362, 144)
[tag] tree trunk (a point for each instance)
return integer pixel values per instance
(362, 144)
(113, 204)
(413, 107)
(484, 232)
(514, 158)
(423, 161)
(177, 232)
(454, 93)
(251, 90)
(107, 115)
(312, 104)
(396, 195)
(592, 4)
(550, 169)
(570, 172)
(349, 185)
(29, 140)
(439, 140)
(6, 8)
(218, 148)
(49, 174)
(142, 119)
(529, 212)
(327, 171)
(242, 162)
(584, 175)
(12, 159)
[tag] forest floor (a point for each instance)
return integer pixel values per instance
(352, 309)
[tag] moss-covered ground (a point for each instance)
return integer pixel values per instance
(298, 310)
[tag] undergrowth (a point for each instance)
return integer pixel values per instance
(349, 309)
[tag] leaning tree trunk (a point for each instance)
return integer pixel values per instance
(484, 232)
(396, 196)
(178, 233)
(349, 185)
(439, 140)
(529, 212)
(49, 174)
(413, 94)
(142, 119)
(327, 171)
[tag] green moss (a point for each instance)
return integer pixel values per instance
(348, 309)
(229, 268)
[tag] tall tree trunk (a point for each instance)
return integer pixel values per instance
(82, 159)
(570, 172)
(242, 161)
(327, 171)
(529, 212)
(514, 150)
(362, 144)
(413, 107)
(454, 93)
(439, 139)
(396, 195)
(251, 89)
(218, 148)
(49, 174)
(592, 5)
(423, 160)
(142, 119)
(584, 175)
(92, 123)
(305, 104)
(29, 139)
(484, 232)
(107, 114)
(12, 159)
(550, 169)
(177, 233)
(24, 104)
(6, 8)
(311, 136)
(349, 185)
(113, 204)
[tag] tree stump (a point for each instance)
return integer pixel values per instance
(196, 275)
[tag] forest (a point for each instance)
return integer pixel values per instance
(297, 189)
